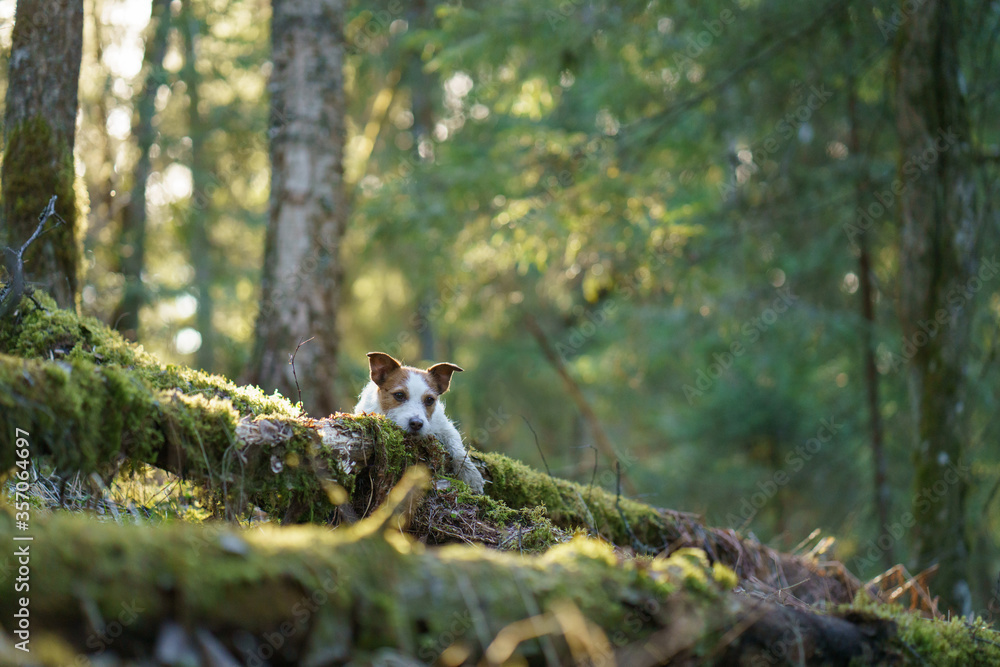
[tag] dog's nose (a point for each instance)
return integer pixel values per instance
(415, 424)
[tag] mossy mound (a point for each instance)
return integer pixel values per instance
(49, 333)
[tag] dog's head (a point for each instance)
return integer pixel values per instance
(409, 396)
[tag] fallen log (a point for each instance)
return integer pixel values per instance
(88, 401)
(216, 594)
(91, 400)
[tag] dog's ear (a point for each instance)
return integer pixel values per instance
(441, 376)
(381, 364)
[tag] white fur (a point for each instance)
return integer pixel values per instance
(439, 425)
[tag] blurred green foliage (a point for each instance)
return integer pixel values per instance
(666, 186)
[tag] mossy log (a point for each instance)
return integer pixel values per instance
(365, 595)
(214, 594)
(89, 400)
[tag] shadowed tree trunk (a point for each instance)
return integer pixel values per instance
(39, 131)
(940, 228)
(866, 280)
(200, 212)
(133, 235)
(302, 272)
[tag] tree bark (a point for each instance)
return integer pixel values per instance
(302, 270)
(866, 279)
(132, 242)
(39, 132)
(939, 262)
(200, 213)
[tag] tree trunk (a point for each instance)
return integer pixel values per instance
(133, 234)
(200, 213)
(940, 228)
(302, 271)
(862, 192)
(39, 132)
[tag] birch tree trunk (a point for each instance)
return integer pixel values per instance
(939, 262)
(302, 271)
(39, 131)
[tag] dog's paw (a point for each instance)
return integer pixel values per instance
(471, 476)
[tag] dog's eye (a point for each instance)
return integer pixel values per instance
(399, 396)
(429, 401)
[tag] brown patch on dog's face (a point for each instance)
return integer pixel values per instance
(394, 390)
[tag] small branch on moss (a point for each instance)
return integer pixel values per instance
(537, 446)
(593, 475)
(291, 360)
(637, 544)
(14, 260)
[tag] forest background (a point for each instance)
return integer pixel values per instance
(668, 235)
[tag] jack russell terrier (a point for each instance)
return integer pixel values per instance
(411, 398)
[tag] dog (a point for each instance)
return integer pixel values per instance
(412, 398)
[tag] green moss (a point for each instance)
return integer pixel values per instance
(570, 505)
(86, 396)
(52, 333)
(944, 643)
(38, 164)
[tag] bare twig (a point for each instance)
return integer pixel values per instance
(537, 446)
(291, 360)
(593, 476)
(14, 259)
(637, 544)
